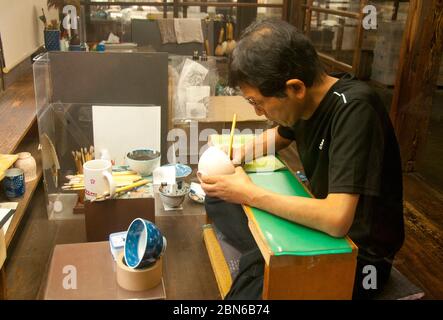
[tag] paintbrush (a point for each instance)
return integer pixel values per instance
(123, 189)
(231, 138)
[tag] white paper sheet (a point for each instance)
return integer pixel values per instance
(122, 129)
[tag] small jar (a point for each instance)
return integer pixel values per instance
(27, 163)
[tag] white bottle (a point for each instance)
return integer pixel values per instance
(104, 155)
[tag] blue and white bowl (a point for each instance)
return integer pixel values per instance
(144, 244)
(181, 171)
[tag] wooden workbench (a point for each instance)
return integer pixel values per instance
(300, 263)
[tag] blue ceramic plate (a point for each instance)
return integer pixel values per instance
(181, 170)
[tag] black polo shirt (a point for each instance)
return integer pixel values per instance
(349, 146)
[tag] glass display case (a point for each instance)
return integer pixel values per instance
(109, 101)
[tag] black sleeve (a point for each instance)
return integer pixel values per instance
(356, 150)
(286, 132)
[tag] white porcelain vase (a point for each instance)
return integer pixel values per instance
(27, 163)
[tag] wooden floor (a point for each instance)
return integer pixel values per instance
(421, 257)
(189, 275)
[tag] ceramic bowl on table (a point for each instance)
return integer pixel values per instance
(182, 171)
(144, 244)
(143, 161)
(173, 198)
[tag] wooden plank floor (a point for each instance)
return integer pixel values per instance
(421, 257)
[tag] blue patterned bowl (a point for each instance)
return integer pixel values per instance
(181, 171)
(144, 244)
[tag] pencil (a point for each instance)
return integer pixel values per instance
(231, 138)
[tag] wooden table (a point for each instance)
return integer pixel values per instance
(87, 271)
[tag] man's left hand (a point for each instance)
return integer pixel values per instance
(234, 188)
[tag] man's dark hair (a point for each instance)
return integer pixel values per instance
(269, 53)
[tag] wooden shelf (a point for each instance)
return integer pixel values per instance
(17, 110)
(29, 144)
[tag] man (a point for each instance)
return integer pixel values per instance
(346, 143)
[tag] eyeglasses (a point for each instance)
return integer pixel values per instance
(253, 102)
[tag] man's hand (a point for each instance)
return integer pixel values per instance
(234, 188)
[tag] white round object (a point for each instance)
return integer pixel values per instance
(27, 163)
(58, 206)
(215, 162)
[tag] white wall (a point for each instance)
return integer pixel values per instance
(20, 28)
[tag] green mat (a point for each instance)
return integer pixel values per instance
(263, 164)
(288, 238)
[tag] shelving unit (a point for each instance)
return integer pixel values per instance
(28, 145)
(19, 132)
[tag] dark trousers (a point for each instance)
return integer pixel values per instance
(231, 220)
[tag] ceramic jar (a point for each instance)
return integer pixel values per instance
(27, 163)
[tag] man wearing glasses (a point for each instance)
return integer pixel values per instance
(346, 144)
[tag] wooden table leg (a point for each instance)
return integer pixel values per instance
(2, 284)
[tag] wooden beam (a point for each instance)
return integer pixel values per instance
(341, 13)
(416, 81)
(177, 3)
(334, 62)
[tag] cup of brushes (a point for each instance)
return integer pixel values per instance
(124, 181)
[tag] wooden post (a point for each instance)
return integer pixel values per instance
(204, 8)
(2, 65)
(395, 11)
(358, 40)
(185, 10)
(3, 295)
(285, 10)
(417, 74)
(245, 16)
(308, 18)
(176, 8)
(297, 14)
